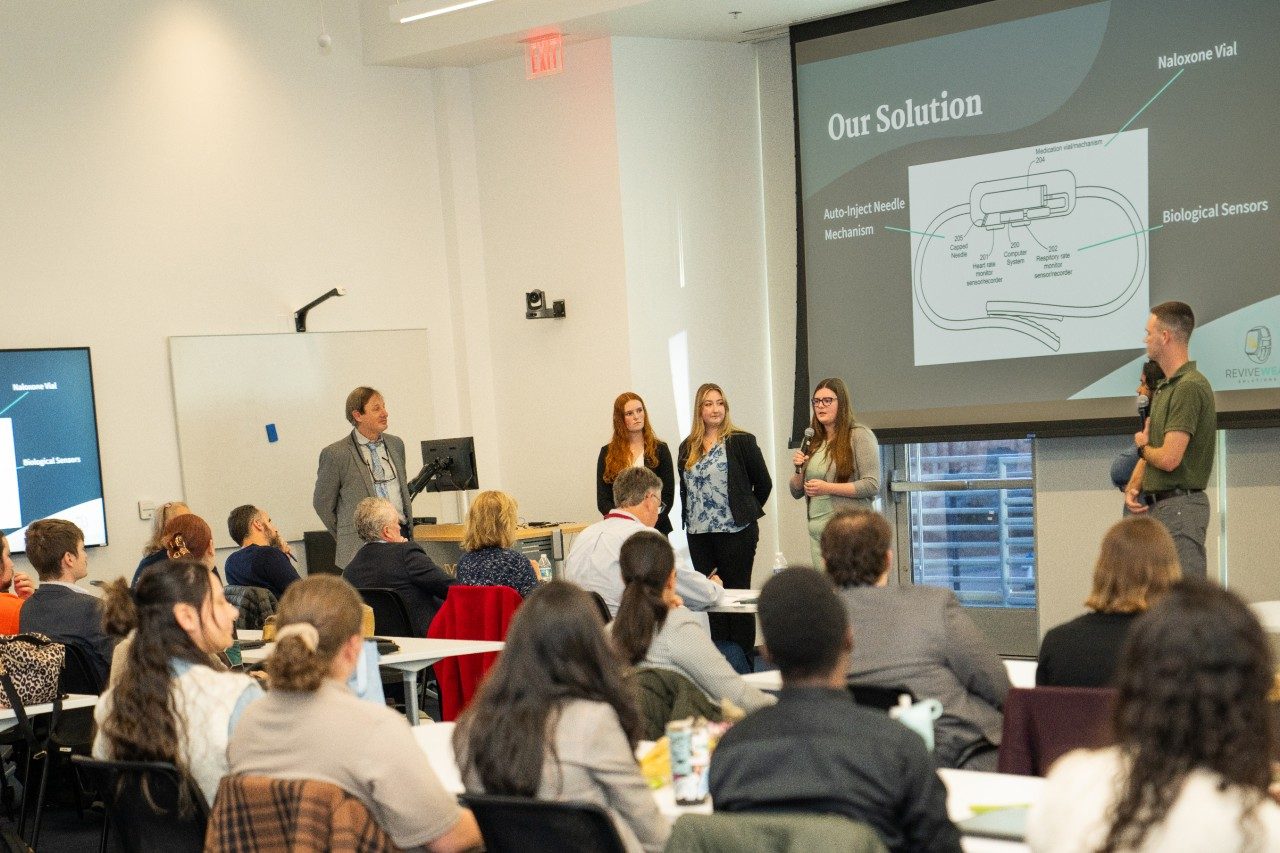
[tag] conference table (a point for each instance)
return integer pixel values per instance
(967, 791)
(737, 601)
(9, 718)
(415, 655)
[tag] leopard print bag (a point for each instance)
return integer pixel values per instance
(33, 663)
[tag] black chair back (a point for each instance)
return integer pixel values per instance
(877, 697)
(520, 824)
(390, 616)
(145, 804)
(78, 673)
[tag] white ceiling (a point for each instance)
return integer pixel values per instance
(494, 31)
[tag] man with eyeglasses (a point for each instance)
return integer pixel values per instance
(368, 463)
(593, 560)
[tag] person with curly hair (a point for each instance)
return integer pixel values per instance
(1191, 766)
(171, 700)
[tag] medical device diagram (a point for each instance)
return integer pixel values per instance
(1032, 251)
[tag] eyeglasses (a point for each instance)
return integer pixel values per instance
(823, 402)
(661, 506)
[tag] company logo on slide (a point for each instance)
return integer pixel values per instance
(1257, 344)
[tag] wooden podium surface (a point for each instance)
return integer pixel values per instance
(455, 532)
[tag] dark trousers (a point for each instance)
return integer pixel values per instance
(731, 555)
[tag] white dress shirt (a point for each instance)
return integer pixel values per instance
(593, 564)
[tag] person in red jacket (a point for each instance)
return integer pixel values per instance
(15, 588)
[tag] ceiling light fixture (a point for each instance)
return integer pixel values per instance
(416, 10)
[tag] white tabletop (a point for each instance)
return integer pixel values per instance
(415, 652)
(1022, 673)
(9, 719)
(737, 601)
(965, 788)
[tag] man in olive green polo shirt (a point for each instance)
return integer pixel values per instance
(1176, 445)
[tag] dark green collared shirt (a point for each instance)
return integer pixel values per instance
(1183, 403)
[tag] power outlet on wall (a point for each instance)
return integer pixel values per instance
(146, 510)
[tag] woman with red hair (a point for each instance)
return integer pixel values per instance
(634, 445)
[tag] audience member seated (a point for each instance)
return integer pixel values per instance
(556, 719)
(917, 637)
(15, 588)
(389, 561)
(488, 559)
(1136, 565)
(593, 559)
(1194, 738)
(171, 699)
(60, 609)
(311, 726)
(653, 629)
(154, 551)
(817, 750)
(263, 559)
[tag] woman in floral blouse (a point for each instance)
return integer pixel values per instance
(723, 486)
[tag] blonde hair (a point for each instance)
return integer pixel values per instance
(491, 522)
(332, 607)
(1136, 563)
(698, 431)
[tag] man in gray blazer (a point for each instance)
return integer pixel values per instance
(367, 463)
(917, 637)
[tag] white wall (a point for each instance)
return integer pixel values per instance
(546, 156)
(693, 231)
(201, 167)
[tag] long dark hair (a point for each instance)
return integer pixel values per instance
(647, 562)
(840, 453)
(556, 651)
(144, 723)
(1193, 684)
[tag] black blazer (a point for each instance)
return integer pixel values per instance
(406, 568)
(66, 616)
(666, 473)
(749, 480)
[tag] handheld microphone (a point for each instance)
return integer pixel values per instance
(1144, 409)
(804, 446)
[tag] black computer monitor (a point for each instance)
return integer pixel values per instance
(456, 458)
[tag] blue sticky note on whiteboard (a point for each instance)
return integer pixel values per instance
(272, 435)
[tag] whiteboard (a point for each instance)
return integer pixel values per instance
(228, 388)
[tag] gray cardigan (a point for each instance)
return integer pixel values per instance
(866, 476)
(684, 646)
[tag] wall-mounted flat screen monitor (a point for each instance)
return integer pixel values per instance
(49, 463)
(456, 460)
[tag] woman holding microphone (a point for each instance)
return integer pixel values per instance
(723, 486)
(838, 466)
(634, 445)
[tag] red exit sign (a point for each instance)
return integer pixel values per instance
(544, 55)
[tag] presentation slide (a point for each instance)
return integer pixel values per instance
(49, 443)
(993, 196)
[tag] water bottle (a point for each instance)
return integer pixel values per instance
(544, 568)
(779, 562)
